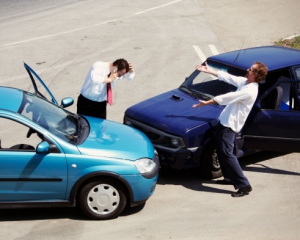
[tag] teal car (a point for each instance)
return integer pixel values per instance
(50, 157)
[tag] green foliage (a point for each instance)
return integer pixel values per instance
(292, 43)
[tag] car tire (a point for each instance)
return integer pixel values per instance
(102, 199)
(209, 165)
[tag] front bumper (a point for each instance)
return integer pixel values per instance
(181, 158)
(143, 186)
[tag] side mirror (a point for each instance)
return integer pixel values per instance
(66, 102)
(43, 147)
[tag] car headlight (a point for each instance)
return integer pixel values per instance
(127, 121)
(144, 165)
(176, 142)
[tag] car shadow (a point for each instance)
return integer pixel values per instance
(41, 214)
(132, 210)
(258, 159)
(190, 178)
(73, 213)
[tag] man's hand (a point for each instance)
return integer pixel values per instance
(206, 69)
(130, 68)
(204, 103)
(200, 104)
(113, 76)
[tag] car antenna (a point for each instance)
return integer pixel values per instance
(239, 53)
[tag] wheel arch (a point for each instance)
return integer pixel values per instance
(91, 176)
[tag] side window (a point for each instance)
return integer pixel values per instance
(13, 136)
(281, 98)
(297, 73)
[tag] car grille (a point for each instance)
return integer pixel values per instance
(157, 137)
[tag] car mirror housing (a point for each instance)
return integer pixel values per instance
(43, 147)
(66, 102)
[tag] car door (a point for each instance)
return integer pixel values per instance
(26, 175)
(275, 129)
(36, 81)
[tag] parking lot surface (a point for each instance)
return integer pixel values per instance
(164, 40)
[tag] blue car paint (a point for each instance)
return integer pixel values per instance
(274, 57)
(7, 93)
(126, 169)
(174, 116)
(112, 139)
(110, 149)
(29, 165)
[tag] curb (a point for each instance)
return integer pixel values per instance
(293, 36)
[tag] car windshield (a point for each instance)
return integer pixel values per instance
(206, 86)
(55, 119)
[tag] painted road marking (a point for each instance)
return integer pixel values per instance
(213, 49)
(200, 53)
(94, 25)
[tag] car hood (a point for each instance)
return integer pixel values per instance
(172, 112)
(115, 140)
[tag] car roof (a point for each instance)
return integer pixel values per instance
(274, 57)
(10, 98)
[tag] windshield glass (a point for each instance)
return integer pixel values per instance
(206, 86)
(56, 120)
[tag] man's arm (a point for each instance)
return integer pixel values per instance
(130, 75)
(204, 103)
(207, 69)
(223, 76)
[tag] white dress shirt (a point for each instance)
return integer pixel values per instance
(93, 87)
(238, 103)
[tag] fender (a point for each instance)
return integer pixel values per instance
(89, 176)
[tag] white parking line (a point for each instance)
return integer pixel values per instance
(213, 49)
(83, 28)
(164, 5)
(200, 53)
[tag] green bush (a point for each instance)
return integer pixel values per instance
(292, 43)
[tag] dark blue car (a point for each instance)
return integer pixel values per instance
(184, 136)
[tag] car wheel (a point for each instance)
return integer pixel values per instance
(102, 199)
(209, 163)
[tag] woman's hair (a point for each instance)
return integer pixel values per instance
(121, 64)
(261, 71)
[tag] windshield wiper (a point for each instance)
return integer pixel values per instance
(201, 95)
(189, 91)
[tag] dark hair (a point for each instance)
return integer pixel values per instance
(121, 64)
(261, 71)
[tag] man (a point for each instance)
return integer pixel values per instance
(96, 91)
(232, 119)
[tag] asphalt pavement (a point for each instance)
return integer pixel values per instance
(164, 40)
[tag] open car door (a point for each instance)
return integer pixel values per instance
(274, 120)
(34, 77)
